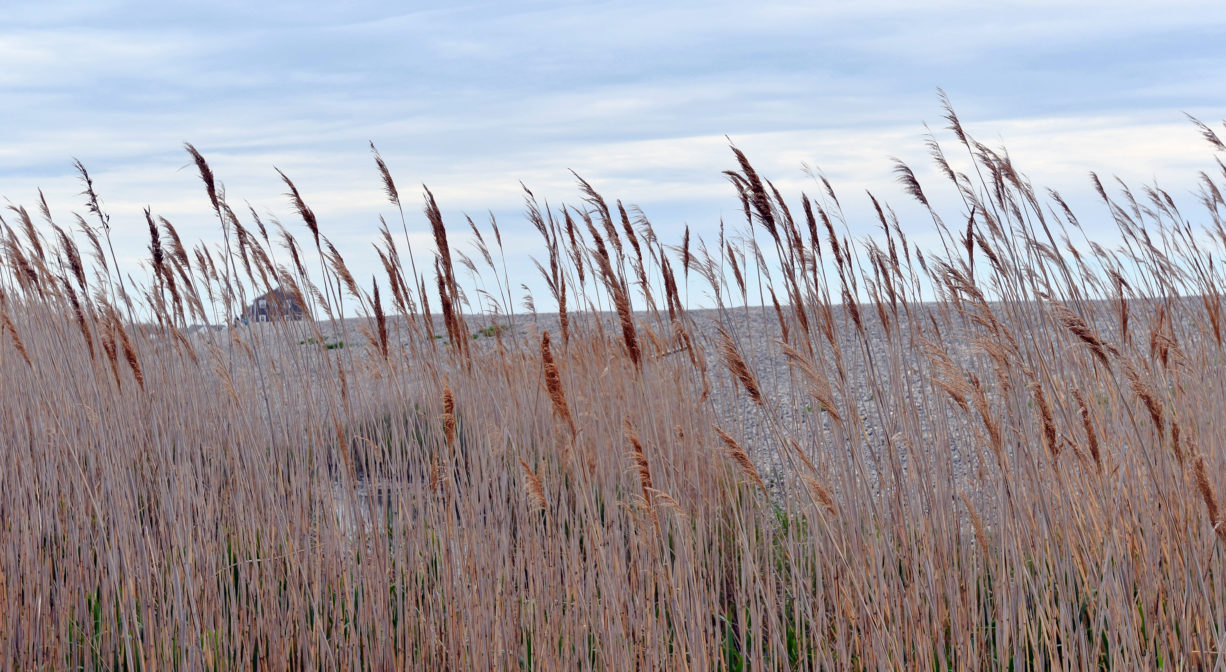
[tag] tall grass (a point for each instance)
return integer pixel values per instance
(1003, 453)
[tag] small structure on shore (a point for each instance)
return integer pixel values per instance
(277, 304)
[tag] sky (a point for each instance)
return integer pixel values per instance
(640, 99)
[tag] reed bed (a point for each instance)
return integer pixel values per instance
(1005, 452)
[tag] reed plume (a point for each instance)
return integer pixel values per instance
(380, 319)
(1205, 485)
(1088, 426)
(553, 385)
(449, 418)
(643, 470)
(11, 329)
(1142, 391)
(1075, 324)
(741, 458)
(532, 486)
(1045, 419)
(300, 206)
(737, 366)
(206, 175)
(819, 385)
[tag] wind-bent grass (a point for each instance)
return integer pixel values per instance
(1023, 473)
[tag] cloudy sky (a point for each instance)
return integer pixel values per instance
(641, 99)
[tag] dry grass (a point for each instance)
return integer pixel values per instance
(977, 467)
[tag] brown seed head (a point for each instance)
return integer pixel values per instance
(1205, 486)
(1074, 323)
(206, 174)
(532, 486)
(819, 385)
(1088, 425)
(449, 421)
(11, 330)
(308, 215)
(1152, 405)
(553, 385)
(388, 185)
(741, 458)
(380, 319)
(644, 471)
(1049, 426)
(737, 366)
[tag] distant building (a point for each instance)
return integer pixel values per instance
(275, 305)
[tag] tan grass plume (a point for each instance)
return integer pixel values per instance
(11, 329)
(553, 385)
(1205, 486)
(643, 470)
(741, 458)
(532, 486)
(737, 366)
(1074, 323)
(1088, 425)
(449, 420)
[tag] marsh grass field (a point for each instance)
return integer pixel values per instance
(1003, 453)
